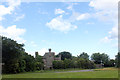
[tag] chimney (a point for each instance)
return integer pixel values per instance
(49, 50)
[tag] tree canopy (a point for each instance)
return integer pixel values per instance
(84, 55)
(66, 55)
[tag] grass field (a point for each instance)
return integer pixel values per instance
(97, 73)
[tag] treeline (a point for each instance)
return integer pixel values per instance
(84, 61)
(74, 63)
(16, 60)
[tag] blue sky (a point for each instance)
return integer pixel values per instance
(62, 26)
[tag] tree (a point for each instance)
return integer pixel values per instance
(15, 58)
(11, 54)
(97, 58)
(110, 63)
(84, 56)
(58, 64)
(85, 64)
(104, 59)
(100, 58)
(30, 62)
(66, 55)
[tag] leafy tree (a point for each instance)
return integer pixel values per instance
(67, 63)
(100, 58)
(85, 64)
(30, 63)
(11, 53)
(66, 55)
(84, 56)
(39, 66)
(104, 58)
(58, 64)
(97, 58)
(110, 63)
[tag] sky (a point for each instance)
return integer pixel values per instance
(76, 27)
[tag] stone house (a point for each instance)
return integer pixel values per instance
(48, 58)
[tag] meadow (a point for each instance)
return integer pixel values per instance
(96, 73)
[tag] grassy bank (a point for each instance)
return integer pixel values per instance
(97, 73)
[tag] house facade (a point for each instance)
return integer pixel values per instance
(48, 58)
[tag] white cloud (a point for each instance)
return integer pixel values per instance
(106, 40)
(61, 24)
(106, 10)
(13, 32)
(112, 35)
(12, 4)
(83, 16)
(42, 51)
(65, 25)
(20, 17)
(59, 11)
(104, 4)
(77, 16)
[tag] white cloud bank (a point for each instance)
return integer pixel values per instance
(11, 31)
(12, 4)
(61, 24)
(107, 10)
(65, 25)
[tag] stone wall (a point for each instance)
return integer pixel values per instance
(48, 58)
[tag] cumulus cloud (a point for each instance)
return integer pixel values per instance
(13, 32)
(59, 11)
(112, 35)
(107, 12)
(61, 24)
(65, 25)
(106, 4)
(12, 4)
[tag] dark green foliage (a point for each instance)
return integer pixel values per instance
(58, 64)
(11, 54)
(15, 58)
(66, 55)
(97, 58)
(104, 58)
(110, 63)
(100, 58)
(79, 63)
(84, 56)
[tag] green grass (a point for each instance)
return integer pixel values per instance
(98, 73)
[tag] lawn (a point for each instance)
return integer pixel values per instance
(96, 73)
